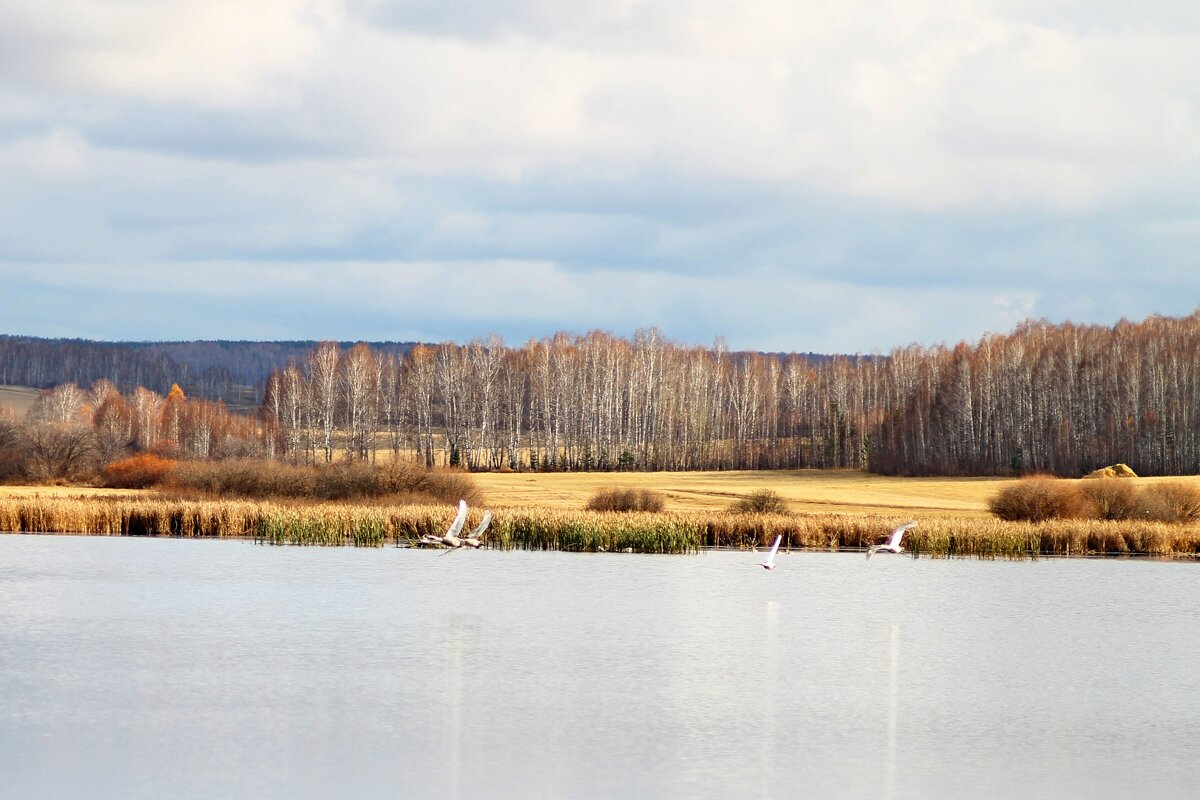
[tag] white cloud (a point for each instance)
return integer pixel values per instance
(208, 53)
(899, 170)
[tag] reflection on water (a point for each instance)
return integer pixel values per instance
(462, 636)
(198, 669)
(893, 710)
(770, 681)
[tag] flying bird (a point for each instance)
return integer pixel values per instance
(893, 543)
(450, 537)
(770, 562)
(472, 538)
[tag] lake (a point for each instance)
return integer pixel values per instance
(166, 668)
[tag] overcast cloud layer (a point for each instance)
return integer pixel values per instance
(789, 175)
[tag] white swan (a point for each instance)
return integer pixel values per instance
(472, 538)
(770, 562)
(450, 537)
(893, 543)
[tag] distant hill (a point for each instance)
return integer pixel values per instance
(233, 371)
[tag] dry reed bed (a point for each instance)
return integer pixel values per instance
(587, 531)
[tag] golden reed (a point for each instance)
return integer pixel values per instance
(587, 531)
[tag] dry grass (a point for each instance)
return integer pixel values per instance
(18, 398)
(78, 492)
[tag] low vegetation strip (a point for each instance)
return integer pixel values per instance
(588, 531)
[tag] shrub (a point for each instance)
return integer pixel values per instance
(1169, 502)
(764, 501)
(137, 472)
(1110, 498)
(1037, 499)
(254, 478)
(626, 500)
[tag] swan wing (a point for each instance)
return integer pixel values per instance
(774, 550)
(898, 534)
(457, 526)
(482, 526)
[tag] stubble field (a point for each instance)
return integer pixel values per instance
(805, 491)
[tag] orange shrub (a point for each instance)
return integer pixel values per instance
(137, 472)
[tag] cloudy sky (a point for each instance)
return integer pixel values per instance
(791, 175)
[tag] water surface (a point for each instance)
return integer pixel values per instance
(155, 668)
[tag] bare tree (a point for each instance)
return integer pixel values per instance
(58, 451)
(358, 383)
(321, 368)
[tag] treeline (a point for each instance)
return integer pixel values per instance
(570, 403)
(1063, 399)
(233, 371)
(1057, 398)
(70, 433)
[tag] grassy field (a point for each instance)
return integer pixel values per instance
(18, 398)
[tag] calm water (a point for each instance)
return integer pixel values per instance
(135, 668)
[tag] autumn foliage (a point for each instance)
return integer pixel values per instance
(1059, 399)
(137, 472)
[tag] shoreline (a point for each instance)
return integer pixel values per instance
(1181, 557)
(589, 531)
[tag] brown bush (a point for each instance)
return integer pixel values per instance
(626, 500)
(254, 478)
(764, 501)
(1038, 498)
(1110, 498)
(1169, 502)
(137, 472)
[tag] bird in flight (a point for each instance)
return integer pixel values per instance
(770, 562)
(893, 543)
(450, 537)
(472, 538)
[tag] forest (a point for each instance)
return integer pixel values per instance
(233, 371)
(1055, 398)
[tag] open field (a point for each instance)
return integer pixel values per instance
(18, 398)
(806, 491)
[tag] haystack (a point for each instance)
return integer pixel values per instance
(1115, 471)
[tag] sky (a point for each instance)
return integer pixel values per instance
(788, 175)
